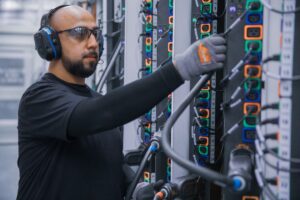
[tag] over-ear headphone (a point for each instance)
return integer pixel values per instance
(47, 41)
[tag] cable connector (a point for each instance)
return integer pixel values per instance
(240, 168)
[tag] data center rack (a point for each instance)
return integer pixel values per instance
(158, 32)
(242, 91)
(206, 118)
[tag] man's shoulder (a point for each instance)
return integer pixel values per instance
(44, 88)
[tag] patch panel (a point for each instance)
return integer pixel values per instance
(253, 32)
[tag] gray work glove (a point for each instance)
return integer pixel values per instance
(202, 56)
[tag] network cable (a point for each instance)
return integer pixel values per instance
(260, 136)
(263, 184)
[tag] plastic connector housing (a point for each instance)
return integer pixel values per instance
(248, 44)
(203, 141)
(206, 8)
(149, 19)
(248, 135)
(253, 71)
(205, 28)
(253, 84)
(252, 96)
(204, 113)
(254, 18)
(252, 107)
(250, 198)
(258, 4)
(203, 150)
(249, 121)
(253, 32)
(170, 46)
(171, 20)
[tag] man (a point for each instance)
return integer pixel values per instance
(69, 144)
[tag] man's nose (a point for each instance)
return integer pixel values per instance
(93, 42)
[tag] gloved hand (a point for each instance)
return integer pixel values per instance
(146, 191)
(202, 56)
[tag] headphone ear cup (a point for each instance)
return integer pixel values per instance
(47, 43)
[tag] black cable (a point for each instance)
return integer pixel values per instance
(208, 174)
(270, 106)
(135, 181)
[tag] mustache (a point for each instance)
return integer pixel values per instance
(91, 54)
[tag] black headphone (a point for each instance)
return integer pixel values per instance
(47, 41)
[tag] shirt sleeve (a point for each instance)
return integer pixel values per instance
(44, 111)
(94, 115)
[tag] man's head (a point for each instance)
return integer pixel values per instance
(79, 39)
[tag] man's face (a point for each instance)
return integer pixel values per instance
(80, 49)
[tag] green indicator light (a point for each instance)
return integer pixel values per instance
(194, 20)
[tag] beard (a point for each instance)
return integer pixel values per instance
(78, 68)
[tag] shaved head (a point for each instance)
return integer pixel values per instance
(70, 15)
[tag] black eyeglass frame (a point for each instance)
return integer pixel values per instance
(96, 31)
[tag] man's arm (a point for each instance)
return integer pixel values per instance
(124, 104)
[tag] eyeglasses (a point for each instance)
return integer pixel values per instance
(82, 33)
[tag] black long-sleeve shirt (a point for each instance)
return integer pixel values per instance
(69, 147)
